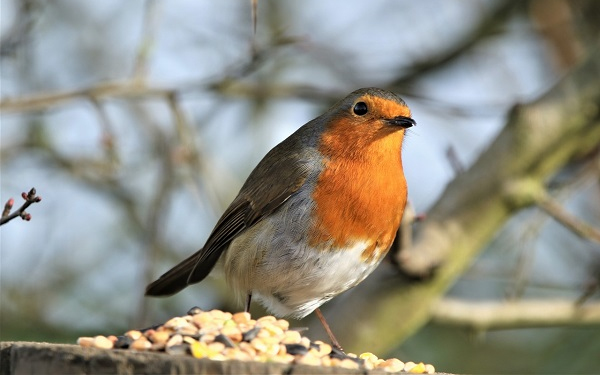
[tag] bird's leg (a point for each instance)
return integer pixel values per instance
(248, 300)
(334, 341)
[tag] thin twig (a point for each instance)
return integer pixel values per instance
(30, 198)
(453, 159)
(254, 15)
(487, 27)
(590, 288)
(145, 46)
(580, 228)
(108, 139)
(20, 31)
(531, 228)
(113, 89)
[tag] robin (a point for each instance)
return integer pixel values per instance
(317, 214)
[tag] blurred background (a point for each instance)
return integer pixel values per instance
(138, 121)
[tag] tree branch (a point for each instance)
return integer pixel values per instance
(114, 89)
(580, 228)
(483, 316)
(486, 27)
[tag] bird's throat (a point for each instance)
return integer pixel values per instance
(360, 196)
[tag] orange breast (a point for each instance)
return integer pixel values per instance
(361, 193)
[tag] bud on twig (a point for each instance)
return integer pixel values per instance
(29, 198)
(7, 207)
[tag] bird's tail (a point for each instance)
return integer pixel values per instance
(175, 279)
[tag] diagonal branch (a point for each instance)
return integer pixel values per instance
(580, 228)
(486, 27)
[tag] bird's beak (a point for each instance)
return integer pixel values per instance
(403, 121)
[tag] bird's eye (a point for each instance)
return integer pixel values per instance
(360, 108)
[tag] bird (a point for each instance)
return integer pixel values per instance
(317, 214)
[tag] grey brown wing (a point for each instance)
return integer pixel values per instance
(267, 187)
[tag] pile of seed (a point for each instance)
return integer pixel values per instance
(221, 336)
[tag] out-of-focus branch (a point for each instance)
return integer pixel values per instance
(584, 173)
(189, 154)
(20, 31)
(455, 163)
(554, 21)
(487, 26)
(114, 89)
(108, 135)
(153, 228)
(554, 209)
(30, 198)
(128, 89)
(254, 15)
(483, 316)
(145, 46)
